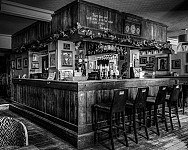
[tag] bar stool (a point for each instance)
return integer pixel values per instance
(137, 112)
(155, 101)
(172, 102)
(116, 106)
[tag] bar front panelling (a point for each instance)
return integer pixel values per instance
(58, 103)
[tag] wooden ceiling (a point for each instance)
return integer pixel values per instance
(173, 13)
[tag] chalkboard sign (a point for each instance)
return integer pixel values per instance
(98, 17)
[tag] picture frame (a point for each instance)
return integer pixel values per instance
(186, 57)
(25, 62)
(66, 46)
(66, 58)
(176, 64)
(162, 64)
(35, 57)
(18, 63)
(152, 59)
(35, 65)
(143, 60)
(52, 59)
(13, 65)
(186, 68)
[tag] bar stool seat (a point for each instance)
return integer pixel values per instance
(116, 106)
(155, 101)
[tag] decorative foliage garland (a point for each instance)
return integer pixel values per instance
(85, 32)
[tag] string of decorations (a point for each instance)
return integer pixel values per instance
(85, 32)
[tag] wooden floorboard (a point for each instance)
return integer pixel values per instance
(172, 140)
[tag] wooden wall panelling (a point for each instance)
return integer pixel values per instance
(36, 31)
(65, 18)
(154, 31)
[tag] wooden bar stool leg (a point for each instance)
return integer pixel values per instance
(163, 116)
(170, 115)
(139, 118)
(149, 120)
(177, 115)
(183, 105)
(134, 126)
(124, 130)
(156, 120)
(117, 117)
(111, 135)
(145, 123)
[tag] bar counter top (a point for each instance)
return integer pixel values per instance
(108, 83)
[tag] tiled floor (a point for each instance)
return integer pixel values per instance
(172, 140)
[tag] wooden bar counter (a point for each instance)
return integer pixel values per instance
(64, 107)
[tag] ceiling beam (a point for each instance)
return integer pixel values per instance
(26, 11)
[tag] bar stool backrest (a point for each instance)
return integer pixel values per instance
(175, 93)
(161, 95)
(185, 90)
(119, 100)
(141, 97)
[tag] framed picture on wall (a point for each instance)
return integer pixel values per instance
(66, 58)
(162, 64)
(19, 63)
(152, 59)
(66, 46)
(35, 57)
(176, 64)
(143, 60)
(35, 65)
(186, 68)
(13, 64)
(52, 60)
(25, 62)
